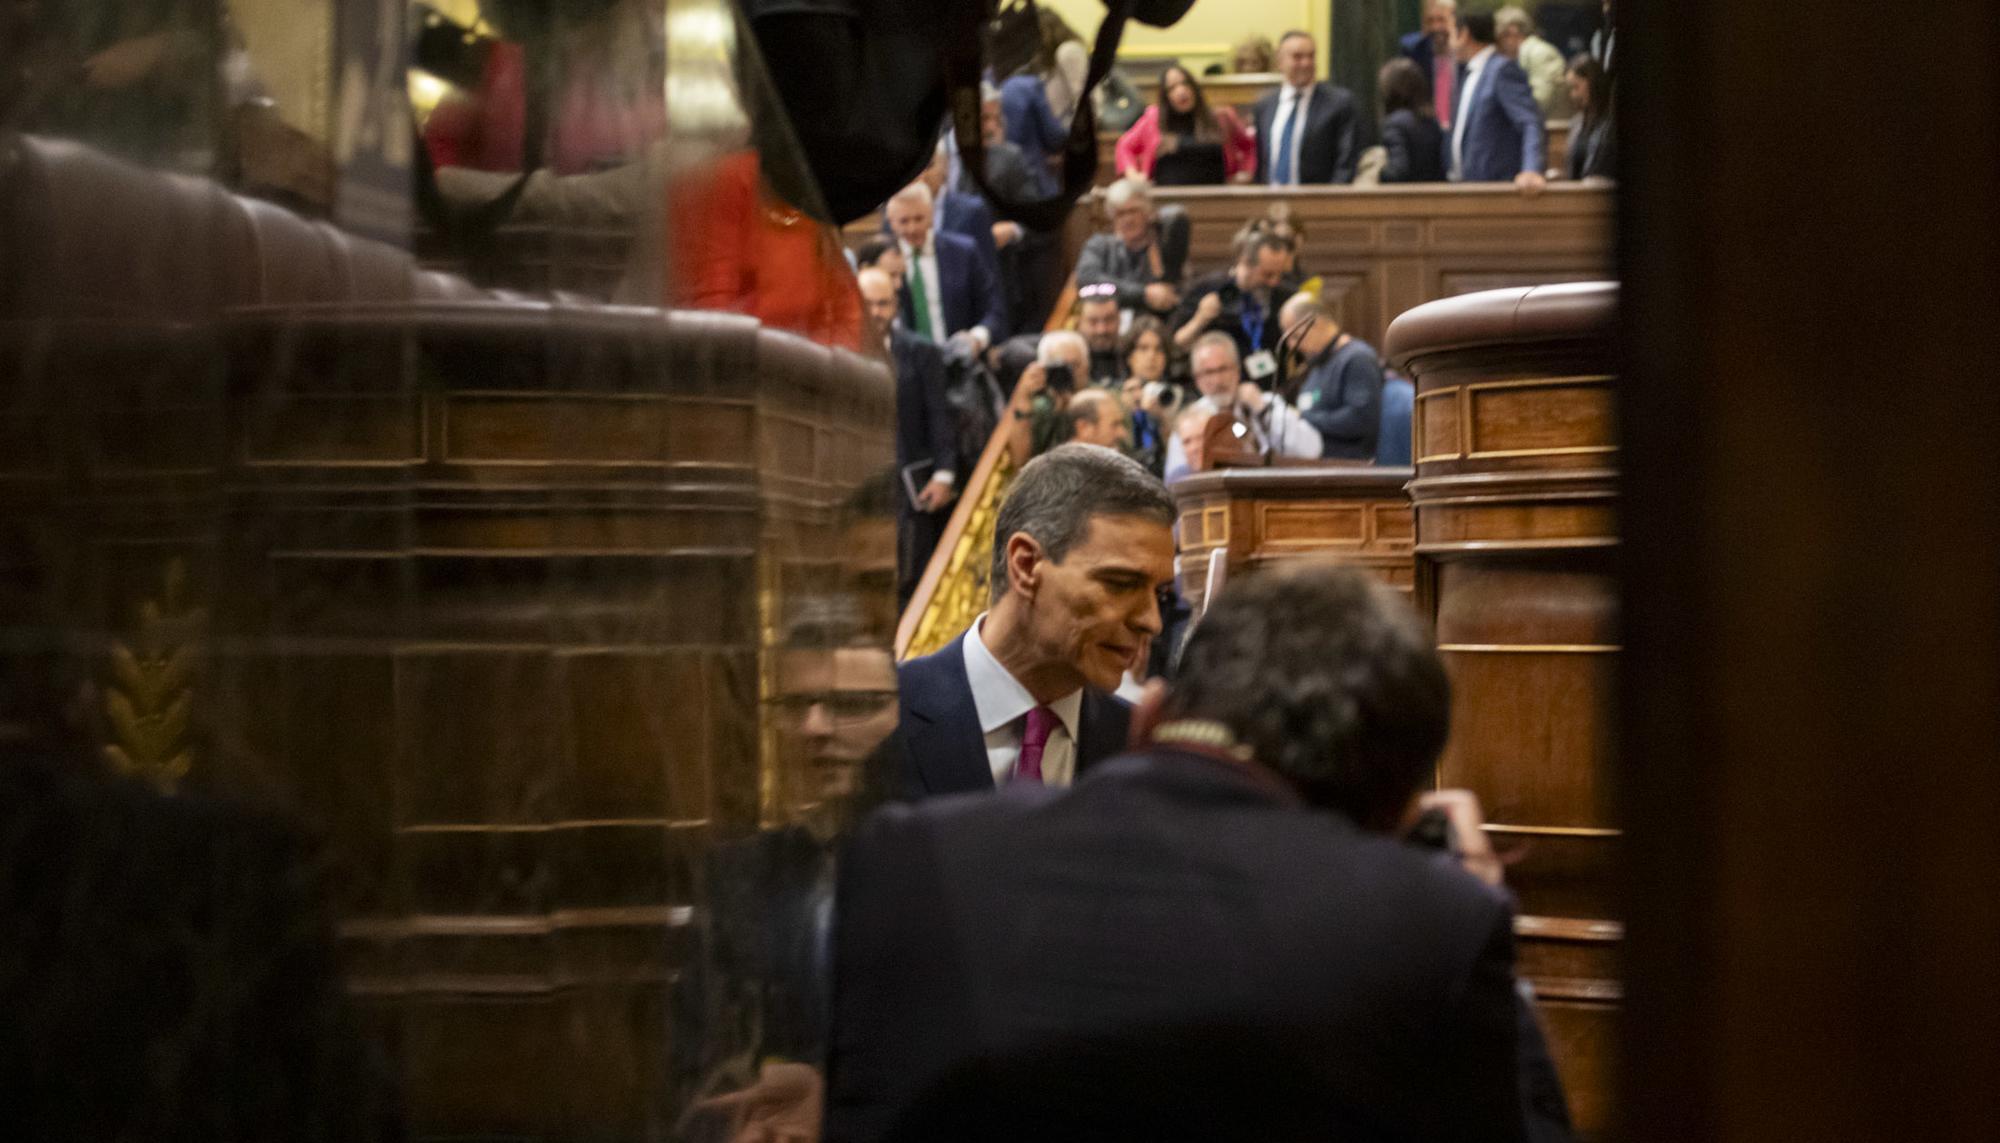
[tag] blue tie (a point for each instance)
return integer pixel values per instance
(1281, 165)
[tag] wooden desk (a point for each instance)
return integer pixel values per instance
(1258, 515)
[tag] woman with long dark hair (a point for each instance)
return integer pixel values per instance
(1182, 141)
(1592, 135)
(1410, 131)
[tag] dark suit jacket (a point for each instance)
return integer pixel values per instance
(1503, 124)
(1174, 949)
(1416, 148)
(967, 216)
(944, 751)
(1417, 47)
(1033, 127)
(1328, 153)
(924, 426)
(970, 293)
(1593, 149)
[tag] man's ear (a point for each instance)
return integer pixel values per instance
(1146, 716)
(1024, 565)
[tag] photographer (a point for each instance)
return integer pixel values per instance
(1218, 935)
(1135, 258)
(1035, 416)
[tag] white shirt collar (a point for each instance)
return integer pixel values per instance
(923, 251)
(999, 697)
(1479, 61)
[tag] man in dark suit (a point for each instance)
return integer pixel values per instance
(1216, 936)
(1497, 135)
(1305, 129)
(1430, 50)
(1081, 549)
(949, 289)
(926, 437)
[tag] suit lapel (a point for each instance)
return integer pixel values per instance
(947, 748)
(1106, 723)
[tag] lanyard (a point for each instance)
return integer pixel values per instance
(1253, 321)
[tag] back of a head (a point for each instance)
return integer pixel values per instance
(1329, 678)
(1479, 26)
(1060, 492)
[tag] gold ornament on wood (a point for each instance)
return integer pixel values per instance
(150, 700)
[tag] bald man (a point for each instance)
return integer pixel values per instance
(926, 433)
(1096, 417)
(1341, 395)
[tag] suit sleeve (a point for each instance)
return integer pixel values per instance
(979, 224)
(1260, 126)
(1239, 146)
(939, 428)
(1517, 100)
(988, 299)
(1346, 155)
(1352, 416)
(1475, 1053)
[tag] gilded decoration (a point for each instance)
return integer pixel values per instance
(964, 588)
(150, 700)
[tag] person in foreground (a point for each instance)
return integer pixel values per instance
(1081, 548)
(1218, 935)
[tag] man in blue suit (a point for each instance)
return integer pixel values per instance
(950, 291)
(1306, 128)
(1497, 135)
(926, 434)
(1081, 549)
(1430, 50)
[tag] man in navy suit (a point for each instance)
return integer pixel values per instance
(1497, 134)
(926, 436)
(1430, 50)
(950, 292)
(1081, 549)
(1305, 130)
(1216, 936)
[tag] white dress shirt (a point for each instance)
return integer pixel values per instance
(1003, 705)
(1467, 85)
(925, 260)
(1291, 101)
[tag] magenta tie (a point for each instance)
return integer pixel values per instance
(1041, 721)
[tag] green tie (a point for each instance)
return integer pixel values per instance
(919, 300)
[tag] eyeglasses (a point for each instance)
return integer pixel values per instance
(843, 707)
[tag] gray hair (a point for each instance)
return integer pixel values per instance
(1329, 678)
(1055, 341)
(1513, 17)
(1215, 338)
(1121, 193)
(915, 192)
(1059, 492)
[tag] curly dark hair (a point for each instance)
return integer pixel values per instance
(1329, 678)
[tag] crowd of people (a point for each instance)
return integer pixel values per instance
(1158, 356)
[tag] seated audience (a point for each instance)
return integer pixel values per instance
(1515, 36)
(1305, 129)
(926, 435)
(1241, 301)
(1148, 396)
(1341, 394)
(1097, 319)
(1181, 141)
(1251, 56)
(948, 290)
(1411, 137)
(1497, 134)
(1221, 934)
(1275, 428)
(1430, 50)
(1134, 257)
(1034, 419)
(1082, 545)
(1593, 136)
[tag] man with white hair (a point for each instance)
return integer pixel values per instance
(949, 292)
(1514, 34)
(1218, 374)
(1035, 416)
(1131, 259)
(1430, 49)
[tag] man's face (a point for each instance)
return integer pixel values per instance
(1463, 46)
(1262, 270)
(992, 124)
(1438, 25)
(1106, 427)
(1316, 336)
(1216, 373)
(835, 708)
(1508, 40)
(878, 295)
(1296, 58)
(910, 219)
(1132, 222)
(1098, 608)
(1099, 324)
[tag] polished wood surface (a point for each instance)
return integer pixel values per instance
(1516, 529)
(1256, 516)
(1809, 763)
